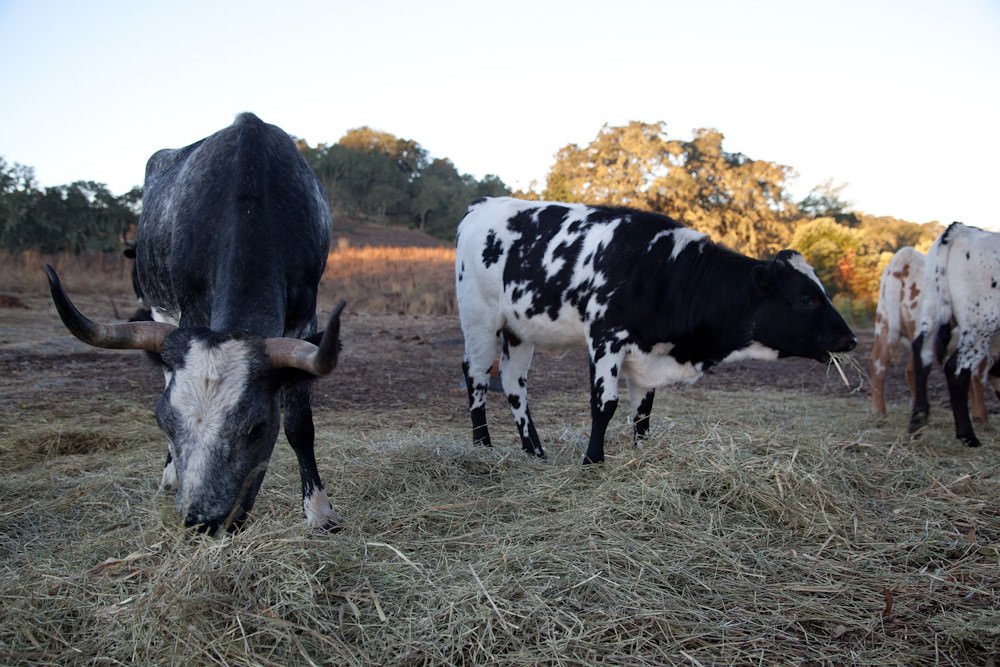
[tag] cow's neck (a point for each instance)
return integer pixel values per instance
(706, 311)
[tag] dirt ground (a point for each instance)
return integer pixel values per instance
(388, 362)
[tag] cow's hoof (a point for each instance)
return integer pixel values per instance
(917, 422)
(534, 451)
(482, 442)
(970, 441)
(320, 513)
(588, 460)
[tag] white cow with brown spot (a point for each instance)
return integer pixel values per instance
(896, 320)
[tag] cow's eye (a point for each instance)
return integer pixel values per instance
(255, 432)
(808, 302)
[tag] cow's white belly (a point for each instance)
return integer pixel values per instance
(657, 368)
(566, 331)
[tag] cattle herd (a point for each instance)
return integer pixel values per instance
(233, 240)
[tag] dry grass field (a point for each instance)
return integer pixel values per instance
(770, 519)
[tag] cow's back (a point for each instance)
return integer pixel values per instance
(234, 232)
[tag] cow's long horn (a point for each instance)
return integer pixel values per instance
(125, 336)
(303, 355)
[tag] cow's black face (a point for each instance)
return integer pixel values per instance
(795, 316)
(220, 412)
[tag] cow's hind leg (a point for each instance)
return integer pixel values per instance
(878, 365)
(515, 360)
(921, 405)
(480, 349)
(641, 401)
(958, 394)
(301, 436)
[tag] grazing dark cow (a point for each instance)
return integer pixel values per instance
(651, 299)
(232, 242)
(896, 319)
(963, 277)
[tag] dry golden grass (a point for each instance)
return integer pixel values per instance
(92, 272)
(373, 279)
(393, 280)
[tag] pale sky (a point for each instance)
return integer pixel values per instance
(898, 99)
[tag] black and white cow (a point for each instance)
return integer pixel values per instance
(963, 277)
(652, 300)
(232, 241)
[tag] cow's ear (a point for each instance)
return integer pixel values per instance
(763, 277)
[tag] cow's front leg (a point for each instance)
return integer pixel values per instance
(604, 369)
(515, 360)
(301, 436)
(641, 402)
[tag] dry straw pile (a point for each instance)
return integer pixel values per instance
(754, 528)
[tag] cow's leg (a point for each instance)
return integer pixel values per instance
(641, 401)
(301, 436)
(911, 378)
(921, 370)
(515, 360)
(977, 399)
(878, 364)
(993, 378)
(958, 393)
(480, 349)
(604, 367)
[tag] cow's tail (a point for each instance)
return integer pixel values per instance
(936, 307)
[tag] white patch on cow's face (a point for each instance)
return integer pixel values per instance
(168, 481)
(799, 263)
(752, 351)
(205, 391)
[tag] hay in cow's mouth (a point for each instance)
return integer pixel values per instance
(841, 360)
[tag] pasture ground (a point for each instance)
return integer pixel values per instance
(770, 519)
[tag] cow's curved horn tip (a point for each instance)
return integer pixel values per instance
(51, 274)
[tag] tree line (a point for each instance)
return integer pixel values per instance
(83, 215)
(373, 175)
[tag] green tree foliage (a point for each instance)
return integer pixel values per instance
(68, 218)
(375, 175)
(738, 201)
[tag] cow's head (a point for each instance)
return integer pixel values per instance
(794, 314)
(220, 408)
